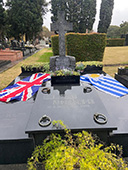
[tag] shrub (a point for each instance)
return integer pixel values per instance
(41, 67)
(55, 44)
(82, 65)
(111, 42)
(79, 150)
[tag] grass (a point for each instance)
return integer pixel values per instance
(45, 57)
(112, 55)
(115, 55)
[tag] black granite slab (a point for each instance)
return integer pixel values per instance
(19, 120)
(71, 105)
(123, 79)
(15, 145)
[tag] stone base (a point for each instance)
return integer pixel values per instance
(14, 167)
(11, 55)
(66, 62)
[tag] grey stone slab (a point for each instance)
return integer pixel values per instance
(62, 61)
(58, 63)
(62, 26)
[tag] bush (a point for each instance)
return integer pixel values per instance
(55, 44)
(80, 66)
(40, 67)
(115, 42)
(79, 150)
(85, 47)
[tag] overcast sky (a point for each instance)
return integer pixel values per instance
(120, 13)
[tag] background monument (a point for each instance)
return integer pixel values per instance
(62, 61)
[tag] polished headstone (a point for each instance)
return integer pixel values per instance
(73, 106)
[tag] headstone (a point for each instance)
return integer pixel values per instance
(126, 40)
(15, 43)
(62, 61)
(122, 76)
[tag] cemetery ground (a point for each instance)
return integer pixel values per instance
(114, 57)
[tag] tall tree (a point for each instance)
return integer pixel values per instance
(105, 15)
(2, 19)
(80, 12)
(124, 27)
(25, 17)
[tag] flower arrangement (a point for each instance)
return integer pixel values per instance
(88, 66)
(80, 66)
(65, 72)
(65, 76)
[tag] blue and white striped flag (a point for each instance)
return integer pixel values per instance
(106, 84)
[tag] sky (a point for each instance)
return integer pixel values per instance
(120, 13)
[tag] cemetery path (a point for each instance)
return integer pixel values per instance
(6, 67)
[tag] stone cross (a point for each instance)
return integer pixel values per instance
(62, 26)
(62, 61)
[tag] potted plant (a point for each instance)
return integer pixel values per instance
(65, 76)
(34, 68)
(89, 67)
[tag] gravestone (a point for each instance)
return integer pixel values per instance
(122, 76)
(126, 39)
(62, 61)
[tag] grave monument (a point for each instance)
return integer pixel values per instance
(23, 125)
(62, 61)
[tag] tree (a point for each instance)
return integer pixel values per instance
(118, 31)
(105, 15)
(124, 27)
(80, 12)
(25, 17)
(45, 33)
(113, 32)
(2, 20)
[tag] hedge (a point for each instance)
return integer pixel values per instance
(111, 42)
(85, 47)
(55, 44)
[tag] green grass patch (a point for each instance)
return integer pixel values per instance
(50, 49)
(45, 57)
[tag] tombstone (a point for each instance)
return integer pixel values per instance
(62, 61)
(22, 44)
(122, 76)
(126, 40)
(15, 43)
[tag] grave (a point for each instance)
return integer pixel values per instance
(62, 61)
(11, 55)
(16, 46)
(122, 76)
(23, 125)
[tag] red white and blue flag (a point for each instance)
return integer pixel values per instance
(24, 89)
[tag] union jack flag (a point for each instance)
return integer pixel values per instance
(24, 89)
